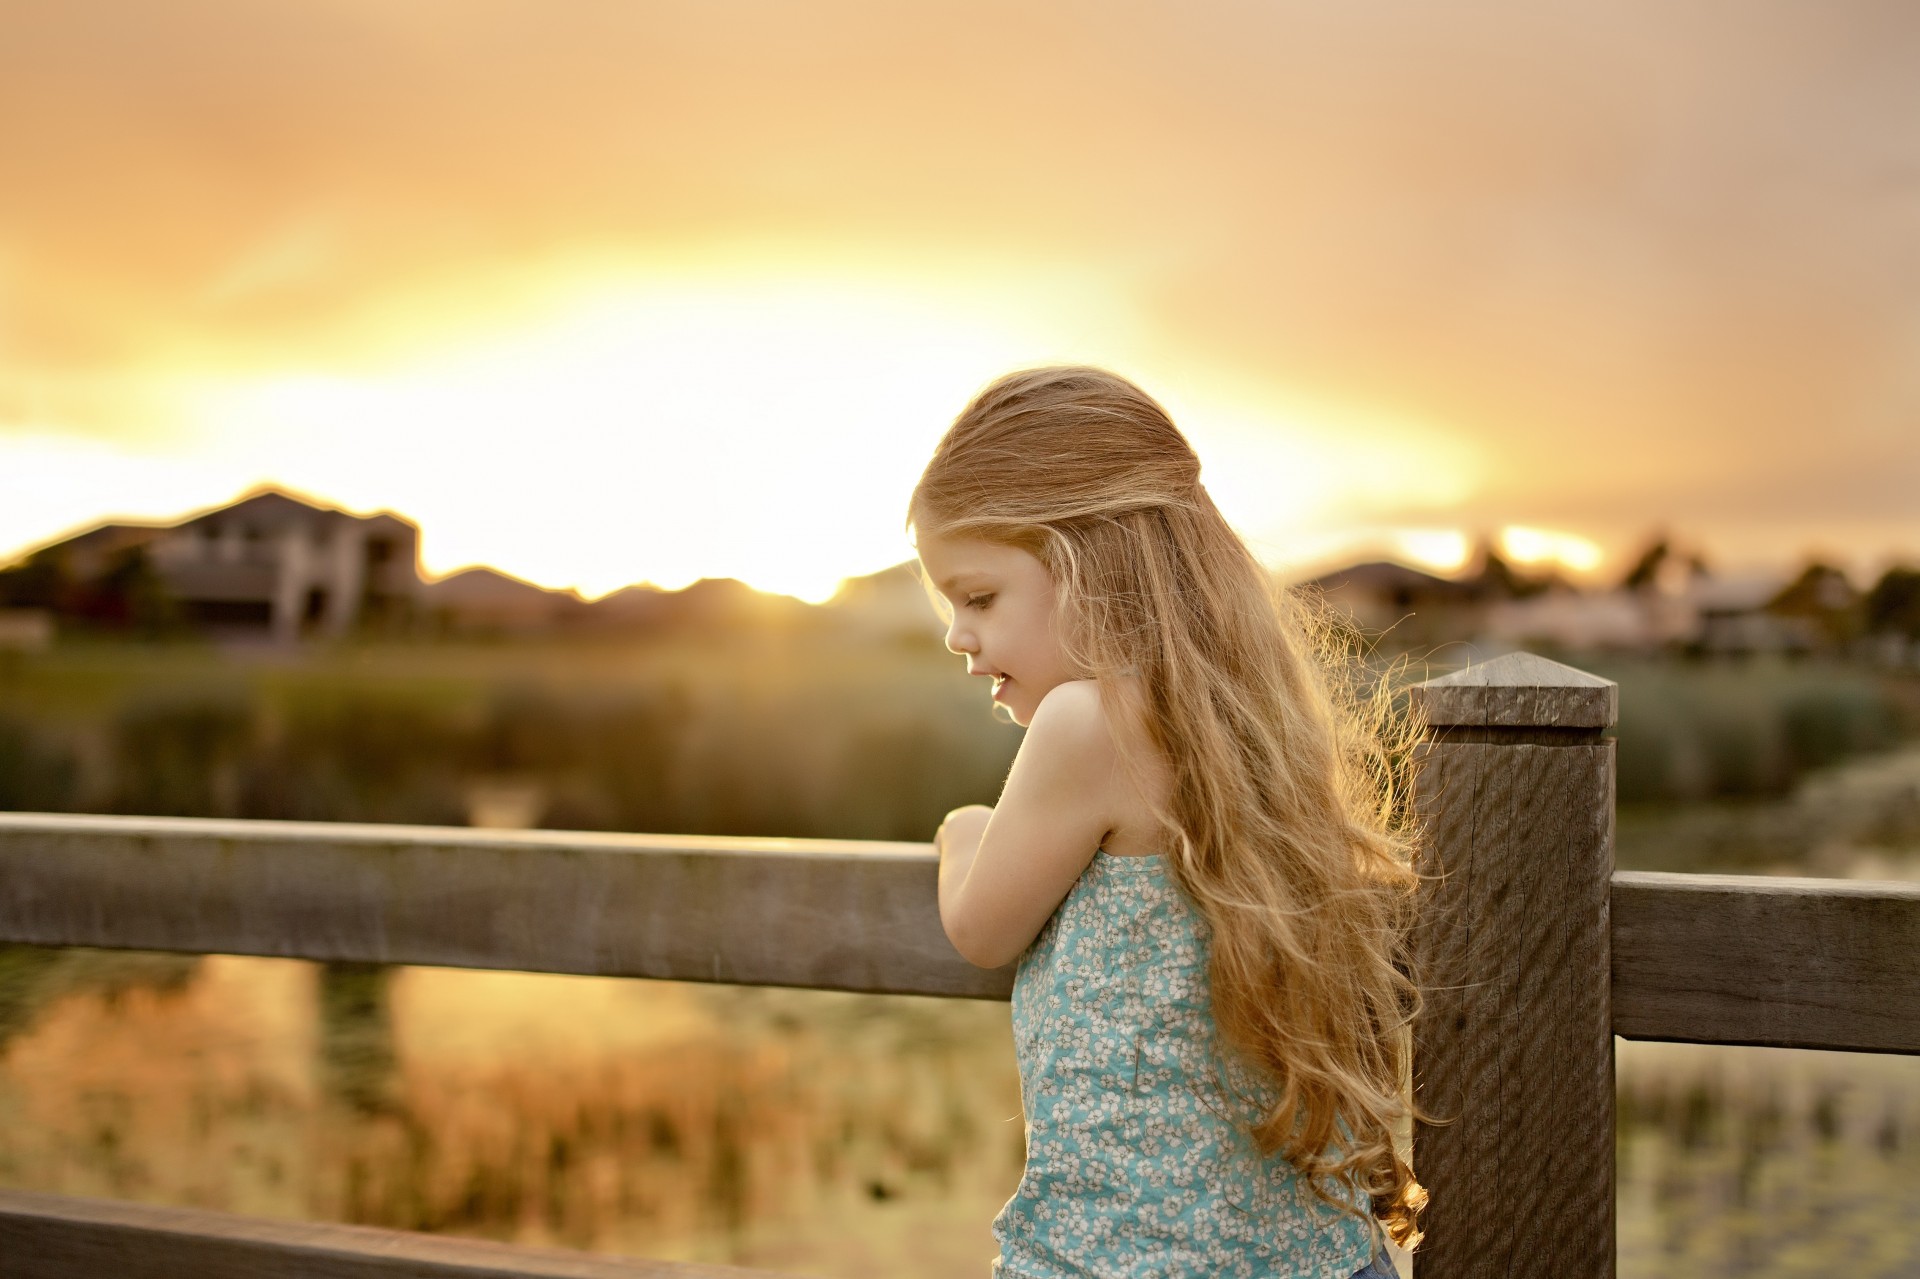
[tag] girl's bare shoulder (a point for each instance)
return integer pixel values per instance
(1070, 724)
(1112, 753)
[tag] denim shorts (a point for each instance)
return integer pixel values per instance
(1381, 1267)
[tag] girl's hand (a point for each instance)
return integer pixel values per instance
(963, 827)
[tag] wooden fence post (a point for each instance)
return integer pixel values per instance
(1515, 1043)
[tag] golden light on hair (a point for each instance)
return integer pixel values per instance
(1287, 826)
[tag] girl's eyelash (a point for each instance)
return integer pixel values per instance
(979, 601)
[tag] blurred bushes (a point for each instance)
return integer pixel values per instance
(1693, 731)
(36, 774)
(354, 755)
(691, 740)
(802, 740)
(178, 754)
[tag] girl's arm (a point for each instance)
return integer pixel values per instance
(1004, 870)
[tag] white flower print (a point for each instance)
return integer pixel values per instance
(1137, 1160)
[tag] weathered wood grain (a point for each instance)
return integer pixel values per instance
(1448, 1159)
(54, 1237)
(1519, 690)
(831, 915)
(1515, 1046)
(1787, 963)
(1513, 1052)
(1698, 958)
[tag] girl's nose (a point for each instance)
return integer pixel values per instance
(960, 640)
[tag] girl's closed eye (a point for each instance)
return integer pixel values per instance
(979, 601)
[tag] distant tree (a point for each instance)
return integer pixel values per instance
(39, 581)
(1646, 569)
(1822, 595)
(1893, 605)
(129, 595)
(1654, 563)
(1500, 579)
(1818, 584)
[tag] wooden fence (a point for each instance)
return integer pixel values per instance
(1537, 951)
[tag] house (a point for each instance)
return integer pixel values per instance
(26, 630)
(1411, 606)
(1577, 621)
(272, 564)
(712, 605)
(486, 601)
(1732, 618)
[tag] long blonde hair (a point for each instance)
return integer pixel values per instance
(1287, 823)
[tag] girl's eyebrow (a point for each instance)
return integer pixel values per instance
(952, 584)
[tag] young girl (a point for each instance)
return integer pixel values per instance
(1199, 859)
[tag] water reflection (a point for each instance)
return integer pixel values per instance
(798, 1130)
(1766, 1161)
(357, 1057)
(806, 1131)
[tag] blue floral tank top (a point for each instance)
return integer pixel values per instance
(1138, 1159)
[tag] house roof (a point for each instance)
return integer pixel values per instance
(1389, 575)
(266, 507)
(104, 538)
(270, 508)
(482, 585)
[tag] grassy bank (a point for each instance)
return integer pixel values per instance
(801, 739)
(807, 735)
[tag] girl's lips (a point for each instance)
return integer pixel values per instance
(1000, 683)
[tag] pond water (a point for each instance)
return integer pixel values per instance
(816, 1133)
(1766, 1161)
(798, 1130)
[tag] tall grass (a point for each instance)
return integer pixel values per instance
(811, 738)
(814, 736)
(1692, 731)
(788, 1128)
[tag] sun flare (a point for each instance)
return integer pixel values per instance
(1525, 545)
(594, 424)
(769, 437)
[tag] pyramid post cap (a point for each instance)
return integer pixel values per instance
(1519, 690)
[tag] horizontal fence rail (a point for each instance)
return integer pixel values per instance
(1804, 963)
(1778, 962)
(56, 1237)
(836, 915)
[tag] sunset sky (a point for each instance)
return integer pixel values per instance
(602, 291)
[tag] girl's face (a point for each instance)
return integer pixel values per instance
(1003, 623)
